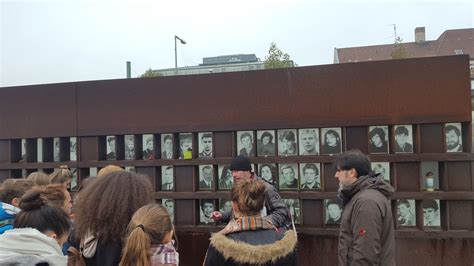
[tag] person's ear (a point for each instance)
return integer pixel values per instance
(353, 173)
(16, 202)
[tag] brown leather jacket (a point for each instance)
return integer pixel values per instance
(367, 235)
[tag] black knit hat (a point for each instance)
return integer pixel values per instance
(240, 163)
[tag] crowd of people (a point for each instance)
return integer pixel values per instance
(113, 220)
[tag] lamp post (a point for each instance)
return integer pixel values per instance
(176, 53)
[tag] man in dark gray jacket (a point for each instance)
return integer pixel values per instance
(367, 235)
(274, 208)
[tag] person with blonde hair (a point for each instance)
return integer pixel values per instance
(250, 239)
(39, 179)
(109, 169)
(149, 238)
(61, 176)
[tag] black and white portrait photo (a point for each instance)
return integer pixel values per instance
(266, 143)
(130, 169)
(167, 177)
(111, 148)
(129, 147)
(23, 150)
(73, 149)
(186, 146)
(205, 145)
(431, 212)
(268, 172)
(169, 206)
(310, 176)
(378, 139)
(167, 145)
(225, 205)
(382, 169)
(453, 137)
(287, 142)
(148, 147)
(288, 176)
(406, 214)
(206, 208)
(309, 141)
(39, 150)
(331, 140)
(226, 181)
(429, 175)
(56, 150)
(206, 177)
(294, 208)
(333, 211)
(403, 139)
(74, 185)
(245, 143)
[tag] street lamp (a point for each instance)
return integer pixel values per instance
(176, 53)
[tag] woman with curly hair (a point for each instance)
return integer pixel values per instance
(149, 240)
(103, 212)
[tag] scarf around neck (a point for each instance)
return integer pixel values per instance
(247, 223)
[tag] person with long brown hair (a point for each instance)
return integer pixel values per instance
(104, 210)
(149, 240)
(250, 239)
(61, 176)
(39, 179)
(55, 195)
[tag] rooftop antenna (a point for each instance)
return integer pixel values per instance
(395, 36)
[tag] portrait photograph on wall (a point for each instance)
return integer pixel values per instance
(431, 213)
(74, 185)
(378, 139)
(167, 146)
(225, 205)
(206, 177)
(207, 206)
(429, 175)
(205, 145)
(23, 150)
(287, 142)
(331, 140)
(382, 169)
(310, 176)
(167, 177)
(453, 137)
(268, 172)
(56, 149)
(403, 135)
(333, 211)
(266, 143)
(245, 143)
(130, 169)
(129, 147)
(111, 148)
(185, 146)
(148, 145)
(226, 181)
(288, 176)
(295, 210)
(309, 141)
(406, 212)
(169, 205)
(73, 149)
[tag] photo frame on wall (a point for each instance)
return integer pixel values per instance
(269, 172)
(167, 177)
(186, 146)
(288, 176)
(111, 148)
(287, 142)
(431, 213)
(39, 150)
(226, 181)
(406, 212)
(333, 211)
(331, 140)
(309, 141)
(225, 205)
(383, 169)
(205, 145)
(207, 206)
(148, 144)
(266, 143)
(129, 147)
(206, 177)
(453, 133)
(169, 206)
(403, 135)
(245, 143)
(73, 149)
(167, 146)
(294, 208)
(310, 176)
(378, 139)
(56, 150)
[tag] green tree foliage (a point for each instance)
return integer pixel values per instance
(150, 74)
(276, 58)
(399, 51)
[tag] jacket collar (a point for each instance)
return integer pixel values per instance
(365, 182)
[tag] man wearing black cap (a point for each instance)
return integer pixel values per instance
(275, 209)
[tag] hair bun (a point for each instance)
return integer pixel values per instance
(31, 201)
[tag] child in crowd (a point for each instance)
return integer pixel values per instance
(149, 238)
(10, 193)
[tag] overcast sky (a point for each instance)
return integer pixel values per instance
(75, 40)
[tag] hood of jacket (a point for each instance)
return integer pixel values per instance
(246, 253)
(365, 182)
(29, 242)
